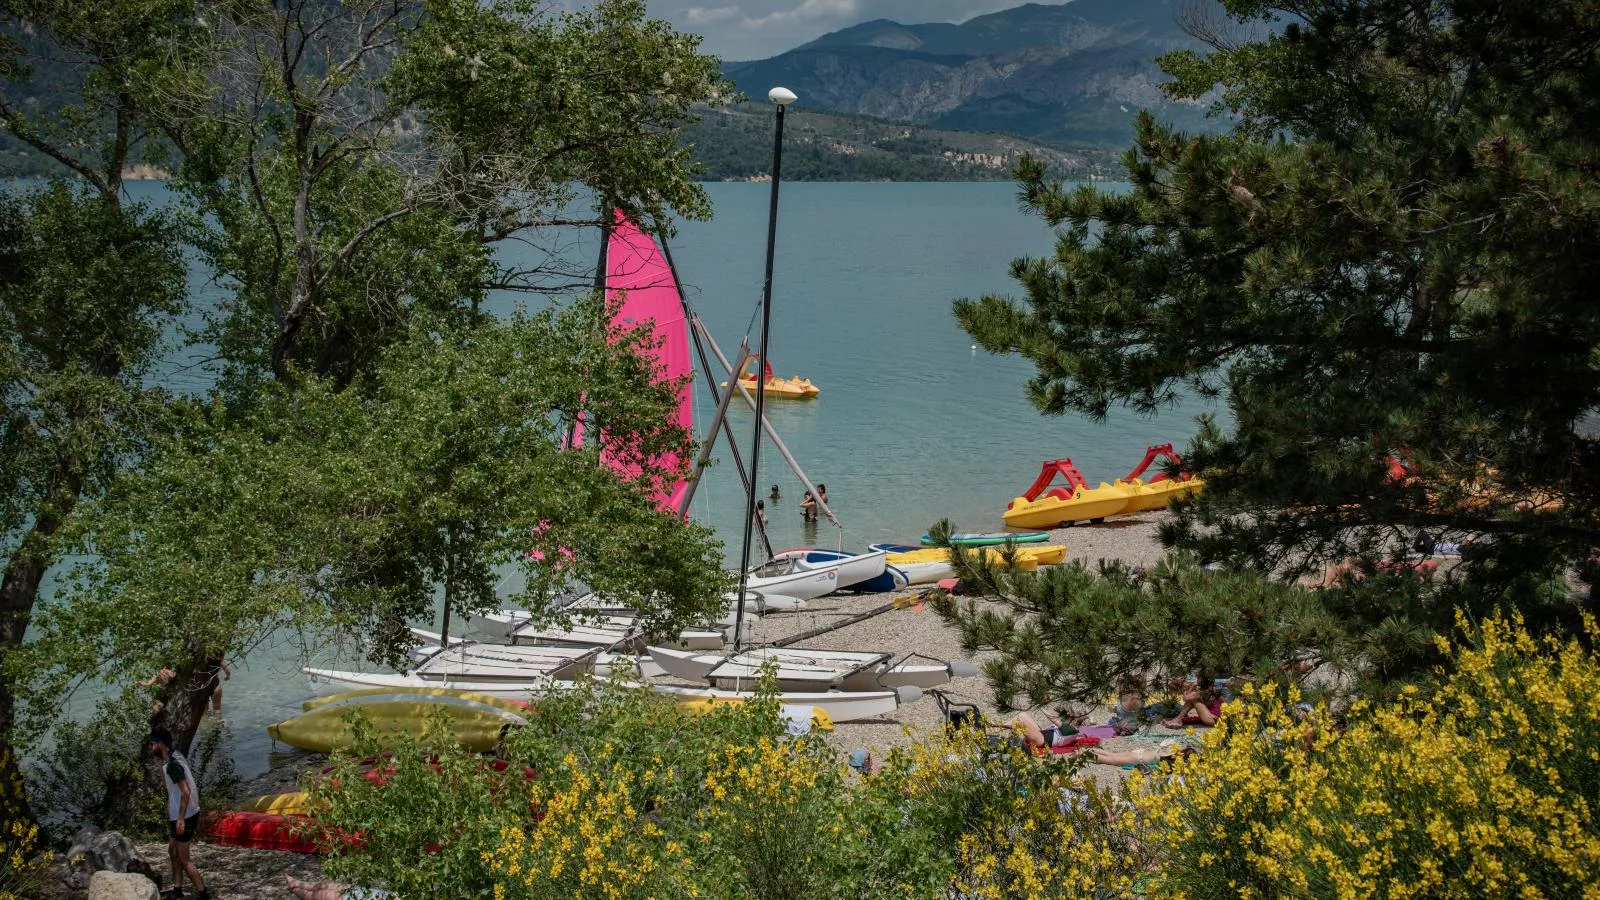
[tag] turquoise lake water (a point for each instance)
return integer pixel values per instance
(912, 425)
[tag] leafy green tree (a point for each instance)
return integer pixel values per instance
(87, 284)
(1384, 270)
(358, 161)
(341, 513)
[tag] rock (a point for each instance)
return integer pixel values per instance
(124, 886)
(94, 851)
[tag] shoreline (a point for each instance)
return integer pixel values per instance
(249, 874)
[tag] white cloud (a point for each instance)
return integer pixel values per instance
(809, 11)
(710, 15)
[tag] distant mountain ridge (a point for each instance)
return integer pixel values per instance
(1070, 72)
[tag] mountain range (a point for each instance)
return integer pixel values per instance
(1071, 72)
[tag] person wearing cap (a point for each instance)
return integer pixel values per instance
(183, 813)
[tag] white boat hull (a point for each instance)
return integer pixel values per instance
(807, 584)
(688, 665)
(926, 572)
(692, 666)
(841, 706)
(534, 687)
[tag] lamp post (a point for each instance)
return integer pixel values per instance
(782, 97)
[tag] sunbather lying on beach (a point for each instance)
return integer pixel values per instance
(1037, 739)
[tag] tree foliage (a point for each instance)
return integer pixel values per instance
(343, 513)
(345, 171)
(1386, 262)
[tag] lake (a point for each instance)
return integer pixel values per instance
(912, 424)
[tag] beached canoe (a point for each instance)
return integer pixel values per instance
(841, 706)
(809, 670)
(983, 539)
(928, 565)
(474, 721)
(921, 569)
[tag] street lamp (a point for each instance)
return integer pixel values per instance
(782, 97)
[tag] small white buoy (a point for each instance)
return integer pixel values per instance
(974, 348)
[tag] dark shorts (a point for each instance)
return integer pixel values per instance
(190, 826)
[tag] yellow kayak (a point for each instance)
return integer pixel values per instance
(291, 803)
(474, 723)
(1058, 506)
(1157, 494)
(1028, 557)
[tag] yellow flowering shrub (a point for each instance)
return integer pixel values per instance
(592, 840)
(21, 867)
(773, 817)
(1010, 825)
(1485, 787)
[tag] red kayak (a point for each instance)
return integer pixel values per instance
(262, 831)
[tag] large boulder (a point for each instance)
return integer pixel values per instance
(124, 886)
(94, 851)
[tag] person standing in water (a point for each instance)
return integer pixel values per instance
(775, 496)
(183, 813)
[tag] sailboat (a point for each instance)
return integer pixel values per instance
(635, 264)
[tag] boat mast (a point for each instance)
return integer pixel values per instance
(719, 422)
(782, 97)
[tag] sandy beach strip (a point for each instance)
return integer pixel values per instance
(1131, 539)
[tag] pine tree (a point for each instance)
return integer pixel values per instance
(1386, 269)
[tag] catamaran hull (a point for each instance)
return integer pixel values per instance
(840, 706)
(690, 666)
(533, 686)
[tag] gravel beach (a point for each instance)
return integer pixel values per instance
(1131, 539)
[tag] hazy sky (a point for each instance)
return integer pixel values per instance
(755, 29)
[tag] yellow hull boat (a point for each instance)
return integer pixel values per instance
(1157, 494)
(1057, 507)
(292, 803)
(472, 721)
(793, 388)
(1028, 557)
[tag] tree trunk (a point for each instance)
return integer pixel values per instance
(19, 590)
(185, 698)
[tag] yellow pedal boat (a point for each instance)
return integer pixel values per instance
(795, 388)
(1157, 494)
(1083, 504)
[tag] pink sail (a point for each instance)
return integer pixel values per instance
(637, 270)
